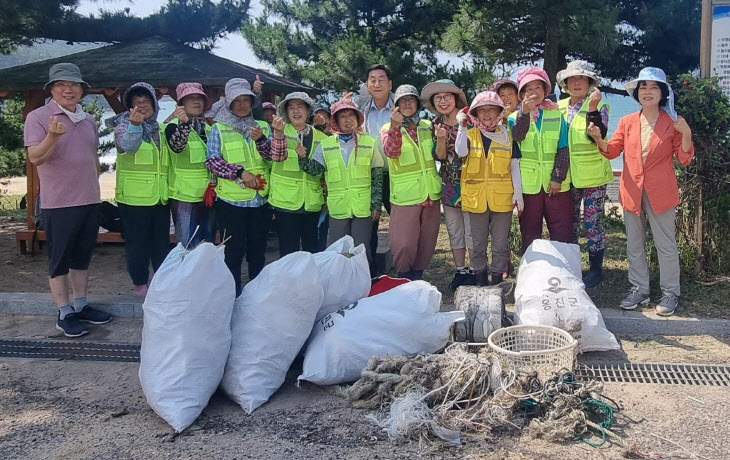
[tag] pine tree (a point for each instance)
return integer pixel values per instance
(330, 43)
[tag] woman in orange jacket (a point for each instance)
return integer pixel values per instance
(649, 140)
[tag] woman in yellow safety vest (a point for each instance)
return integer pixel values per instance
(353, 172)
(238, 153)
(185, 136)
(295, 195)
(545, 163)
(142, 188)
(490, 182)
(415, 186)
(590, 171)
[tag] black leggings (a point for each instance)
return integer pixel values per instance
(297, 231)
(147, 238)
(245, 232)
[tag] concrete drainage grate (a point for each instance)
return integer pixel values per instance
(69, 350)
(667, 373)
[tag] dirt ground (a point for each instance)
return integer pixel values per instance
(61, 410)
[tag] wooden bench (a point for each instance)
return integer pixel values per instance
(35, 239)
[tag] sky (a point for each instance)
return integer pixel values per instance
(233, 47)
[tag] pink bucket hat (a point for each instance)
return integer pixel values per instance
(344, 104)
(482, 99)
(186, 89)
(268, 105)
(529, 74)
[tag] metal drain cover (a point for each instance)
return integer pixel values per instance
(667, 373)
(69, 350)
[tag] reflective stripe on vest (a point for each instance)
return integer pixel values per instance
(188, 174)
(539, 149)
(239, 151)
(413, 175)
(291, 188)
(142, 176)
(486, 181)
(349, 186)
(588, 168)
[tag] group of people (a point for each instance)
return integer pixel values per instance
(325, 172)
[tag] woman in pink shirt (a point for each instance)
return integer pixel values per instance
(650, 139)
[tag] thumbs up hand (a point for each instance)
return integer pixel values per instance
(257, 85)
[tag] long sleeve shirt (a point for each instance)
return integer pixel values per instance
(177, 135)
(521, 124)
(317, 165)
(393, 142)
(128, 138)
(221, 168)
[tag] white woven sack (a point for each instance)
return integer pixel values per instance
(403, 320)
(186, 334)
(550, 292)
(271, 321)
(345, 274)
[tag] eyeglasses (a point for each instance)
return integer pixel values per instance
(72, 85)
(446, 97)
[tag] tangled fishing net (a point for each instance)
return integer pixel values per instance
(465, 392)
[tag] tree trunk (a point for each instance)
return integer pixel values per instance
(551, 58)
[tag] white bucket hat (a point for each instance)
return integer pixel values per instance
(578, 68)
(658, 75)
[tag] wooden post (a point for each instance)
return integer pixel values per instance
(706, 39)
(33, 99)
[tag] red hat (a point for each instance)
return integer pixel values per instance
(344, 104)
(186, 89)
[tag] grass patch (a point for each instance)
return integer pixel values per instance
(10, 206)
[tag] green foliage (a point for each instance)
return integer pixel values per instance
(330, 43)
(704, 215)
(199, 22)
(12, 153)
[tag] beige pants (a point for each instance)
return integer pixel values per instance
(413, 233)
(496, 224)
(663, 233)
(457, 224)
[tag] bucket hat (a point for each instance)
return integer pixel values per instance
(406, 90)
(295, 96)
(186, 89)
(322, 107)
(497, 85)
(482, 99)
(654, 74)
(529, 74)
(344, 104)
(67, 72)
(442, 86)
(577, 68)
(240, 87)
(268, 105)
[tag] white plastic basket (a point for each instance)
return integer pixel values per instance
(545, 349)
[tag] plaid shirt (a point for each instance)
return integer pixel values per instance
(221, 168)
(392, 144)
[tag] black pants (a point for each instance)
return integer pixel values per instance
(71, 236)
(147, 238)
(245, 230)
(376, 224)
(297, 231)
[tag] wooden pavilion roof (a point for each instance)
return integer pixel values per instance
(156, 60)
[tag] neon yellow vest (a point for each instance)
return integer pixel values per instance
(142, 176)
(486, 182)
(539, 149)
(188, 174)
(349, 186)
(292, 188)
(413, 175)
(239, 151)
(588, 168)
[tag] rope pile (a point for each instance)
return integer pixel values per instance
(465, 392)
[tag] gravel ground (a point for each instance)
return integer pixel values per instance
(85, 410)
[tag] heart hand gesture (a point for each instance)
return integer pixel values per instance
(594, 99)
(56, 128)
(301, 150)
(135, 117)
(396, 118)
(180, 114)
(277, 124)
(682, 126)
(594, 131)
(441, 133)
(256, 132)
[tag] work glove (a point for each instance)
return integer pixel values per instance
(517, 201)
(461, 118)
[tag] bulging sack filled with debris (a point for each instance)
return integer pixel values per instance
(345, 274)
(403, 320)
(550, 292)
(186, 334)
(271, 321)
